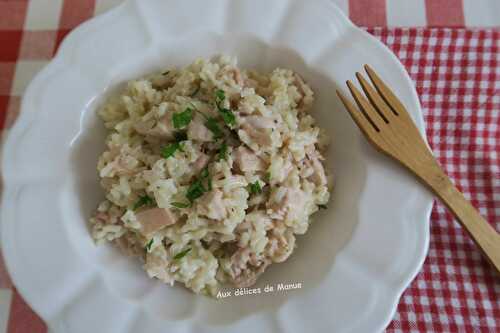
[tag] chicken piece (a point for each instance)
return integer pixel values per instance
(250, 276)
(102, 217)
(291, 206)
(161, 128)
(259, 136)
(239, 261)
(200, 163)
(258, 128)
(127, 245)
(281, 242)
(295, 200)
(164, 128)
(279, 175)
(126, 165)
(318, 176)
(154, 219)
(157, 266)
(212, 205)
(197, 131)
(244, 109)
(246, 268)
(259, 122)
(247, 161)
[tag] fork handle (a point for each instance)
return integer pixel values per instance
(483, 234)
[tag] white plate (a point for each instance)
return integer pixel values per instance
(353, 264)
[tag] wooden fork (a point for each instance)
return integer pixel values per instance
(385, 122)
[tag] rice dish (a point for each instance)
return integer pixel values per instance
(210, 172)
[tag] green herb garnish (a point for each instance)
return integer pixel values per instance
(322, 207)
(149, 244)
(255, 188)
(181, 254)
(180, 204)
(222, 151)
(214, 127)
(227, 115)
(182, 119)
(143, 201)
(204, 173)
(170, 150)
(267, 177)
(220, 96)
(195, 191)
(209, 184)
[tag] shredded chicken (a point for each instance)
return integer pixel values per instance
(197, 130)
(281, 242)
(246, 268)
(154, 219)
(318, 176)
(103, 217)
(127, 245)
(157, 266)
(212, 205)
(247, 161)
(291, 205)
(258, 128)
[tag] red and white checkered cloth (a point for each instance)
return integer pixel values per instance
(457, 75)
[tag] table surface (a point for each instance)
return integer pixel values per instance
(451, 48)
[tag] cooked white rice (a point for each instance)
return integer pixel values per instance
(202, 207)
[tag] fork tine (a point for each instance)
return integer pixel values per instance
(359, 118)
(365, 106)
(380, 106)
(394, 104)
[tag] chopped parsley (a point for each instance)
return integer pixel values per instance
(195, 190)
(209, 184)
(182, 119)
(220, 96)
(204, 173)
(214, 127)
(144, 200)
(226, 114)
(181, 254)
(322, 207)
(254, 188)
(180, 204)
(149, 244)
(267, 177)
(169, 151)
(222, 151)
(228, 117)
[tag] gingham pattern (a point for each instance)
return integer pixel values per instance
(457, 75)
